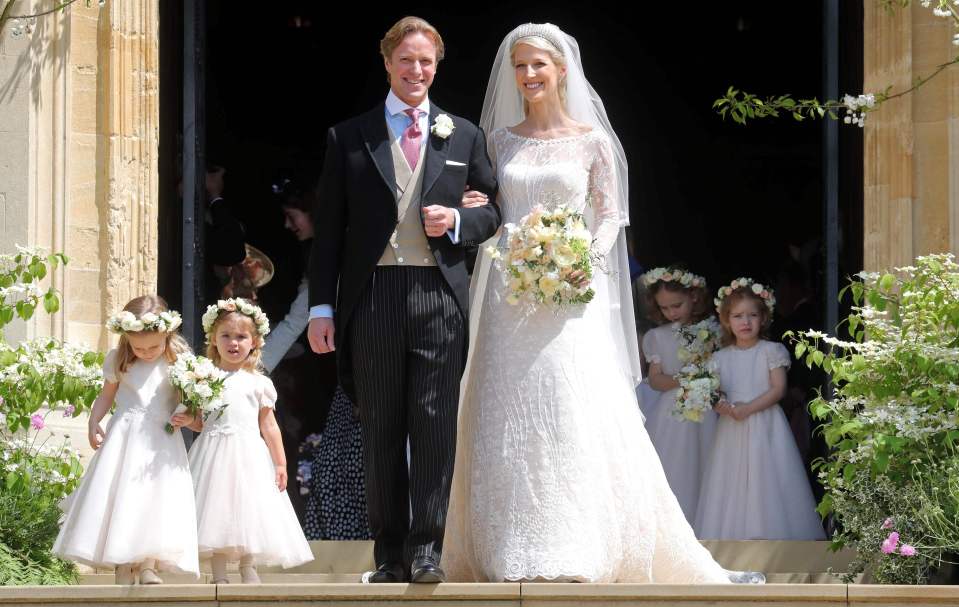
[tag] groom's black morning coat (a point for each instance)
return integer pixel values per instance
(401, 330)
(356, 213)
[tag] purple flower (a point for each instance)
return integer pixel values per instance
(68, 412)
(36, 420)
(888, 523)
(890, 543)
(907, 550)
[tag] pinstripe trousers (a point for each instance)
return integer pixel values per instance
(406, 338)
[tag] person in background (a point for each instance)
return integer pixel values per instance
(305, 381)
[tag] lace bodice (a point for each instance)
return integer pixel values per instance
(576, 171)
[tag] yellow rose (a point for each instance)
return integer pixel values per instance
(548, 285)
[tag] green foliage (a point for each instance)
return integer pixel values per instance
(893, 421)
(18, 570)
(38, 378)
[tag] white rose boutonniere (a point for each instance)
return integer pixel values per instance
(442, 126)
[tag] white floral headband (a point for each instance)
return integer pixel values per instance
(235, 305)
(764, 293)
(127, 322)
(686, 279)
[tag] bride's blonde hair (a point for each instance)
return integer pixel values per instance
(558, 58)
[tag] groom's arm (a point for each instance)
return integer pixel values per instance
(479, 223)
(329, 226)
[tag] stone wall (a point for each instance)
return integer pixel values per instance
(911, 164)
(78, 167)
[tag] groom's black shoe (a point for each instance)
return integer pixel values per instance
(389, 573)
(424, 570)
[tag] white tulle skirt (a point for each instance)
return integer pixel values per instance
(680, 446)
(239, 509)
(135, 501)
(756, 486)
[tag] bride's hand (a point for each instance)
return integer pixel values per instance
(578, 278)
(472, 198)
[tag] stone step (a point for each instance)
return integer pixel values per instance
(106, 579)
(481, 595)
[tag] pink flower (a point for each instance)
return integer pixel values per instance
(907, 550)
(890, 543)
(36, 420)
(68, 412)
(888, 523)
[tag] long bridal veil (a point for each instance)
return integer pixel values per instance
(503, 107)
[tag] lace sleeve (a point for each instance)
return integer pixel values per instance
(603, 198)
(777, 355)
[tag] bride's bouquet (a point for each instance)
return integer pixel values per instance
(698, 379)
(542, 252)
(199, 383)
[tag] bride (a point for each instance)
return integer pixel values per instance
(555, 477)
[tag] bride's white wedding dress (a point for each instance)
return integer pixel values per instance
(555, 475)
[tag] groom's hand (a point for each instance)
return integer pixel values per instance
(320, 335)
(438, 220)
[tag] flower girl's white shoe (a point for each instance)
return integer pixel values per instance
(218, 564)
(248, 573)
(124, 575)
(148, 573)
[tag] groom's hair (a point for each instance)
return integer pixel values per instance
(403, 28)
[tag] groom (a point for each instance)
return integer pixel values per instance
(389, 251)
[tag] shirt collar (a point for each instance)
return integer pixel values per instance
(394, 105)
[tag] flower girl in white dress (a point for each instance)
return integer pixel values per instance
(677, 299)
(134, 507)
(755, 486)
(238, 462)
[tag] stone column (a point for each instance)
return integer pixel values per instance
(911, 178)
(111, 223)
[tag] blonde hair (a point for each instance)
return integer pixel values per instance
(403, 28)
(555, 54)
(726, 305)
(138, 306)
(252, 362)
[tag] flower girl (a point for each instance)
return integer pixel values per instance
(755, 486)
(238, 463)
(687, 335)
(134, 507)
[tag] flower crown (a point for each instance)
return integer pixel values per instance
(763, 292)
(127, 322)
(686, 279)
(235, 305)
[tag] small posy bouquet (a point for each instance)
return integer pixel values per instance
(698, 380)
(542, 251)
(697, 393)
(698, 341)
(199, 383)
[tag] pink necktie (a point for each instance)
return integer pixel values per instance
(410, 141)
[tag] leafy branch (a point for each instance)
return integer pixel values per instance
(6, 14)
(741, 106)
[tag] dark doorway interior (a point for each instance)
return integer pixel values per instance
(726, 200)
